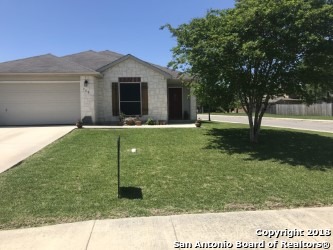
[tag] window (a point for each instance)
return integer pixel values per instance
(130, 95)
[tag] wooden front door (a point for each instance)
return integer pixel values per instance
(175, 104)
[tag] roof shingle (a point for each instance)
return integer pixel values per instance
(43, 64)
(84, 62)
(90, 59)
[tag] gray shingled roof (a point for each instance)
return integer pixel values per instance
(83, 62)
(43, 64)
(175, 74)
(112, 55)
(96, 60)
(90, 59)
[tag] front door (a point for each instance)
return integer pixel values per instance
(175, 104)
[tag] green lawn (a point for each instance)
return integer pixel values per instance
(211, 169)
(313, 117)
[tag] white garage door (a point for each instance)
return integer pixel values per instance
(39, 103)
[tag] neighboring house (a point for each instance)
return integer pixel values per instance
(94, 86)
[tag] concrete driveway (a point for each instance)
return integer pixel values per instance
(18, 143)
(301, 124)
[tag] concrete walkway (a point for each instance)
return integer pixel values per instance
(187, 125)
(299, 124)
(18, 143)
(167, 232)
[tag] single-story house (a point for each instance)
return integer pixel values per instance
(93, 86)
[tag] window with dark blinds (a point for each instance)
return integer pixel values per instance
(130, 96)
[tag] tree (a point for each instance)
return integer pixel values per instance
(211, 95)
(258, 50)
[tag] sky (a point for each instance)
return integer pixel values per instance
(61, 27)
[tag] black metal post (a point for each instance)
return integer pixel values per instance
(118, 146)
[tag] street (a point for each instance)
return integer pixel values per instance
(300, 124)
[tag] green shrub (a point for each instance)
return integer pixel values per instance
(150, 121)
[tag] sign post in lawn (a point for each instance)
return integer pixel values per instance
(118, 146)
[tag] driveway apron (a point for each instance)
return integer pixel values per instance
(18, 143)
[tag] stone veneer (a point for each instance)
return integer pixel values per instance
(96, 96)
(157, 90)
(87, 96)
(193, 107)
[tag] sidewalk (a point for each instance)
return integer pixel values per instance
(183, 125)
(233, 230)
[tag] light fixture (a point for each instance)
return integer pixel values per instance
(86, 83)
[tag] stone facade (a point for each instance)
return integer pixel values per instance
(88, 100)
(96, 96)
(157, 90)
(193, 107)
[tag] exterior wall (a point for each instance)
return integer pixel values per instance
(87, 96)
(157, 90)
(193, 104)
(104, 102)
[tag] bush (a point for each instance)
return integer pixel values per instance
(150, 121)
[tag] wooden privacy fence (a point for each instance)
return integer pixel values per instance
(320, 109)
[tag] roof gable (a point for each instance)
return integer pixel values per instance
(124, 58)
(43, 64)
(115, 56)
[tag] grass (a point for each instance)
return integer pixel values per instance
(313, 117)
(211, 169)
